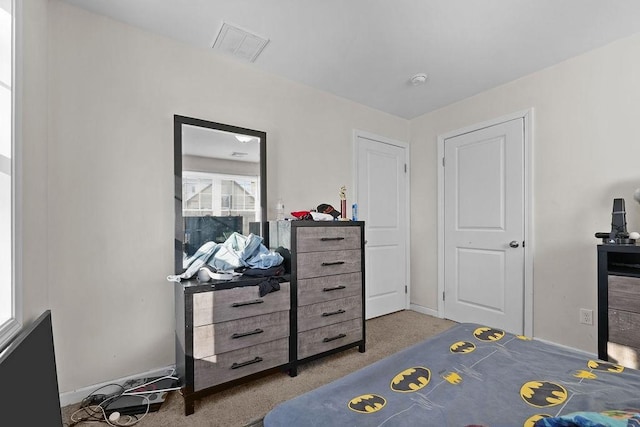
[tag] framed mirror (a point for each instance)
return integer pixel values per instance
(220, 184)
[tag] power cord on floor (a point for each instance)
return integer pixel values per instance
(96, 413)
(93, 406)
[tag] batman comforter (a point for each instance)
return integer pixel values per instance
(469, 375)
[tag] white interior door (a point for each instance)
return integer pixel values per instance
(484, 226)
(382, 203)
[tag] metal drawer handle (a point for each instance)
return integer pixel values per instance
(327, 239)
(246, 334)
(337, 337)
(335, 288)
(341, 311)
(240, 304)
(324, 264)
(249, 362)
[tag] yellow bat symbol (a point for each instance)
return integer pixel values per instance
(488, 334)
(462, 347)
(367, 403)
(412, 379)
(531, 421)
(542, 394)
(452, 378)
(599, 365)
(585, 374)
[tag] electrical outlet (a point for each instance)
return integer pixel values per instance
(586, 316)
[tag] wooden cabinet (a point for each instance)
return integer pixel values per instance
(327, 280)
(226, 333)
(619, 304)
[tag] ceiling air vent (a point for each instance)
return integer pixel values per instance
(239, 43)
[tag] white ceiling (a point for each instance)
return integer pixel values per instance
(205, 142)
(367, 50)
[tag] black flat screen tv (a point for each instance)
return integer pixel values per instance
(29, 393)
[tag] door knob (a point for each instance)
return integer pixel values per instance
(514, 244)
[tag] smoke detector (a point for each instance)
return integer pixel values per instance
(239, 43)
(418, 79)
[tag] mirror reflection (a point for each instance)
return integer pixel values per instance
(221, 186)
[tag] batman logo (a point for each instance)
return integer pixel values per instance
(462, 347)
(488, 334)
(531, 421)
(542, 394)
(452, 378)
(367, 403)
(599, 365)
(585, 374)
(410, 380)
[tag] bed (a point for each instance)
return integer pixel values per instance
(468, 375)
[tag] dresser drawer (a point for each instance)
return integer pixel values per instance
(236, 303)
(316, 264)
(624, 293)
(328, 288)
(216, 338)
(329, 312)
(329, 337)
(623, 355)
(236, 364)
(624, 327)
(314, 239)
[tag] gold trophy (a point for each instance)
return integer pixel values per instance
(343, 203)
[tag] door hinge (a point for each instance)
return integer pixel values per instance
(405, 168)
(443, 161)
(442, 295)
(405, 289)
(523, 243)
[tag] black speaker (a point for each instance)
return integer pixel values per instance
(618, 234)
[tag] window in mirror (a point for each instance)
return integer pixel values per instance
(208, 194)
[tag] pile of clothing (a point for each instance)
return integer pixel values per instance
(238, 255)
(324, 212)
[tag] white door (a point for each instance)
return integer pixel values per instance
(484, 226)
(382, 203)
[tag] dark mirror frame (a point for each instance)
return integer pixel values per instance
(178, 121)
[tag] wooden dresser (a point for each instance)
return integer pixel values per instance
(227, 333)
(327, 282)
(619, 304)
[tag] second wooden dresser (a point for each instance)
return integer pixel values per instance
(619, 304)
(327, 284)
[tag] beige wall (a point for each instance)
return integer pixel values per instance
(586, 151)
(33, 103)
(113, 91)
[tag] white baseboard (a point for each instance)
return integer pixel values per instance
(424, 310)
(586, 353)
(76, 396)
(434, 313)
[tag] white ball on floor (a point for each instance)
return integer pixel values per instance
(634, 235)
(115, 416)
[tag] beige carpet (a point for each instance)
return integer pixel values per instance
(247, 404)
